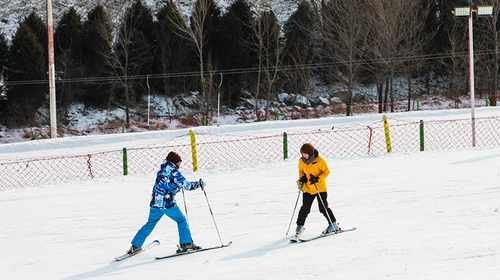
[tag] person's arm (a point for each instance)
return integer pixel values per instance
(180, 181)
(325, 171)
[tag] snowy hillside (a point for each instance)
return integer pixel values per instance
(12, 12)
(426, 215)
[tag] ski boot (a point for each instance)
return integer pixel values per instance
(187, 247)
(332, 228)
(134, 250)
(298, 232)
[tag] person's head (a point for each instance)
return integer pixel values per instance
(174, 158)
(307, 150)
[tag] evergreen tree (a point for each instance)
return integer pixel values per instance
(27, 63)
(212, 22)
(68, 50)
(68, 34)
(39, 29)
(96, 34)
(145, 30)
(232, 48)
(137, 45)
(96, 47)
(297, 50)
(131, 54)
(174, 54)
(4, 52)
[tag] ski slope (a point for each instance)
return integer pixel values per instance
(428, 215)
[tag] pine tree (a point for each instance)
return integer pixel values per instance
(96, 34)
(145, 39)
(95, 50)
(297, 49)
(212, 22)
(4, 52)
(131, 54)
(27, 63)
(138, 43)
(68, 50)
(68, 34)
(233, 48)
(39, 29)
(174, 54)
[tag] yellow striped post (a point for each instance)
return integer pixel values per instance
(387, 135)
(193, 150)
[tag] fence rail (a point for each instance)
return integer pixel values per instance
(224, 150)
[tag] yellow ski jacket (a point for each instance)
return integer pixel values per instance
(317, 168)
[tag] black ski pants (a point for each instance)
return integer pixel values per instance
(307, 200)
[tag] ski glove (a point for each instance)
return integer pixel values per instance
(302, 183)
(303, 179)
(302, 186)
(313, 179)
(201, 184)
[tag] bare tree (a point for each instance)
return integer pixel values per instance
(129, 51)
(195, 29)
(299, 50)
(344, 33)
(414, 40)
(395, 26)
(267, 43)
(173, 50)
(455, 60)
(491, 31)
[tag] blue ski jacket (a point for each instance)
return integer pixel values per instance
(169, 182)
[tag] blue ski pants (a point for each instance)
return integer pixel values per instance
(155, 215)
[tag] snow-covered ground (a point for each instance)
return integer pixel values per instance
(428, 215)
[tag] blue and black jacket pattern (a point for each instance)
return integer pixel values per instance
(169, 182)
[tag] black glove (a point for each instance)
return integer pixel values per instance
(313, 179)
(303, 179)
(201, 184)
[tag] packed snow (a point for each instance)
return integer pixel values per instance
(423, 215)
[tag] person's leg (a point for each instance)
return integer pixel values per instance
(154, 216)
(175, 214)
(329, 217)
(307, 200)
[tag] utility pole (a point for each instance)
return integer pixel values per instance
(52, 73)
(481, 11)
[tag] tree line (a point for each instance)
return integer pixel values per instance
(108, 62)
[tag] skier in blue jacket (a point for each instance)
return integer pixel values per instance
(169, 181)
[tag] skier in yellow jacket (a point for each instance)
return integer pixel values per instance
(313, 171)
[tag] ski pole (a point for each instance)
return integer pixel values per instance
(185, 206)
(324, 207)
(213, 218)
(293, 213)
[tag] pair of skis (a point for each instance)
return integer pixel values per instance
(157, 243)
(296, 239)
